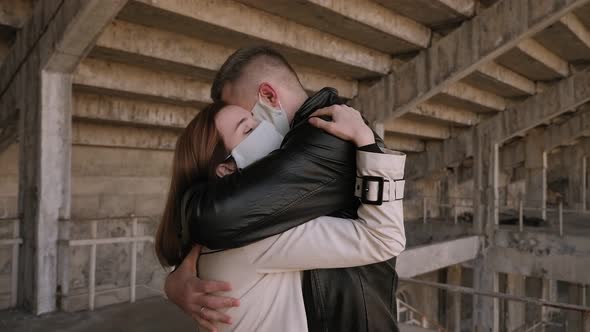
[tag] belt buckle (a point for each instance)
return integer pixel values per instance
(366, 181)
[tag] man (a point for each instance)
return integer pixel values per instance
(313, 171)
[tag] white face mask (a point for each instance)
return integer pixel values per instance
(277, 117)
(263, 140)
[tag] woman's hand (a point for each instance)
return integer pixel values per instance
(193, 295)
(347, 124)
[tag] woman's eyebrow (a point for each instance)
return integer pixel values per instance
(244, 119)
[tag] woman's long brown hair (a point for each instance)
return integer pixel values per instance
(199, 150)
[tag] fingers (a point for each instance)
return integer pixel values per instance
(324, 111)
(211, 286)
(213, 316)
(321, 124)
(217, 302)
(204, 324)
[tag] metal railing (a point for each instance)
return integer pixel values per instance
(459, 203)
(94, 241)
(455, 205)
(409, 315)
(537, 327)
(498, 296)
(559, 210)
(15, 242)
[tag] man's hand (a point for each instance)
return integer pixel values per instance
(191, 294)
(347, 124)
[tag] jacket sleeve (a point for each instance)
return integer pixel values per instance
(311, 175)
(327, 242)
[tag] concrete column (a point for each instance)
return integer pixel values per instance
(516, 310)
(44, 196)
(486, 311)
(584, 184)
(575, 320)
(550, 294)
(454, 300)
(573, 159)
(536, 175)
(58, 35)
(485, 168)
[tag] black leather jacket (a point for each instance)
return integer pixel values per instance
(311, 175)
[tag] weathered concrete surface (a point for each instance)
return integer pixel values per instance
(157, 49)
(444, 114)
(423, 259)
(113, 78)
(433, 12)
(568, 38)
(467, 97)
(94, 134)
(436, 230)
(516, 310)
(535, 164)
(15, 13)
(35, 82)
(237, 25)
(498, 29)
(533, 60)
(419, 129)
(121, 111)
(155, 314)
(361, 21)
(563, 96)
(501, 81)
(485, 309)
(542, 255)
(403, 143)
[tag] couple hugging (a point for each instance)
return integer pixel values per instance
(291, 200)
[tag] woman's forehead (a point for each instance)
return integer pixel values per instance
(229, 118)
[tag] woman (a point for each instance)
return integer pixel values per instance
(266, 275)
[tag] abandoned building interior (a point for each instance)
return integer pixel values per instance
(489, 99)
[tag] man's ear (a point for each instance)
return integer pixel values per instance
(226, 168)
(269, 94)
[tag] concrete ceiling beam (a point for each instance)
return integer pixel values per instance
(569, 38)
(403, 143)
(168, 51)
(123, 111)
(565, 95)
(445, 114)
(501, 81)
(361, 21)
(531, 59)
(465, 96)
(236, 25)
(413, 128)
(15, 13)
(139, 83)
(96, 134)
(433, 12)
(488, 35)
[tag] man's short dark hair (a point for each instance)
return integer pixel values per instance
(233, 68)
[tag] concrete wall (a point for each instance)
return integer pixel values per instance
(107, 183)
(453, 186)
(8, 209)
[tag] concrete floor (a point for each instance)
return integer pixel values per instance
(153, 314)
